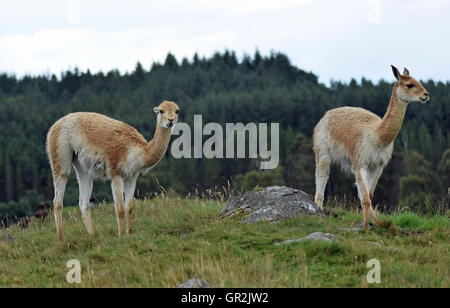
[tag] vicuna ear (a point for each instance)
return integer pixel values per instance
(396, 72)
(156, 109)
(405, 72)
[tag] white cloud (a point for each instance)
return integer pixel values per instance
(53, 51)
(333, 39)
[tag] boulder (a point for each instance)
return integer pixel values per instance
(350, 229)
(316, 236)
(274, 203)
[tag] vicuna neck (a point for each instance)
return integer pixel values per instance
(157, 147)
(392, 120)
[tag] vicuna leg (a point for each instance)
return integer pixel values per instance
(61, 155)
(322, 173)
(129, 187)
(117, 191)
(60, 187)
(374, 176)
(85, 182)
(363, 194)
(371, 178)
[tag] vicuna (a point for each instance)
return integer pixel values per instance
(98, 146)
(361, 142)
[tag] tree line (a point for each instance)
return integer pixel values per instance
(222, 88)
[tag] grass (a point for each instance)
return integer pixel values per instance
(177, 239)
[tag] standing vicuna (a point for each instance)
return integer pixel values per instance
(98, 146)
(362, 142)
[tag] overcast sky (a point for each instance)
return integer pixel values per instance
(333, 39)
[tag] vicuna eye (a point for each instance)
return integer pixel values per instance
(161, 111)
(176, 111)
(410, 85)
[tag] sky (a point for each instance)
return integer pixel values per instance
(336, 40)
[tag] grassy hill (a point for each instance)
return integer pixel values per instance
(176, 239)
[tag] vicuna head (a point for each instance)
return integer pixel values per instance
(167, 114)
(408, 89)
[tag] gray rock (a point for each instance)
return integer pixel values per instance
(316, 236)
(274, 203)
(195, 283)
(8, 238)
(350, 229)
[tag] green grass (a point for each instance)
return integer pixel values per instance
(177, 239)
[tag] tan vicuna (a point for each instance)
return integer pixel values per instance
(361, 142)
(98, 146)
